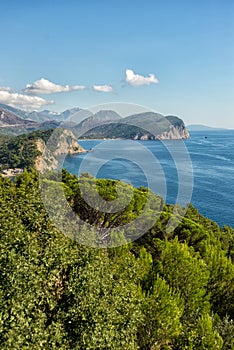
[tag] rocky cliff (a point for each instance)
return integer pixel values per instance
(45, 161)
(174, 133)
(64, 142)
(61, 142)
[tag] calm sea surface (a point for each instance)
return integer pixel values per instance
(206, 182)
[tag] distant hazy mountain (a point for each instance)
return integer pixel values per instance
(69, 116)
(38, 116)
(47, 115)
(103, 124)
(72, 117)
(15, 121)
(143, 126)
(12, 124)
(19, 112)
(77, 114)
(99, 118)
(68, 113)
(34, 115)
(199, 127)
(8, 118)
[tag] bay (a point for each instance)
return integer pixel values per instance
(164, 167)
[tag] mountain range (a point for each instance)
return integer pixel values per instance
(85, 124)
(13, 124)
(41, 116)
(142, 126)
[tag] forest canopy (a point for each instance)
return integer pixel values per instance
(162, 291)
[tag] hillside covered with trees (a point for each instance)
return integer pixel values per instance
(21, 151)
(163, 291)
(159, 127)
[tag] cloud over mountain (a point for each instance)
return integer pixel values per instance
(138, 80)
(44, 86)
(15, 99)
(103, 88)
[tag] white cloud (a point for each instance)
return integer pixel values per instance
(103, 88)
(44, 86)
(138, 80)
(5, 88)
(15, 99)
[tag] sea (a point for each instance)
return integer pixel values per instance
(199, 170)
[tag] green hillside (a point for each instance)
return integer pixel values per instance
(114, 130)
(136, 126)
(164, 291)
(21, 151)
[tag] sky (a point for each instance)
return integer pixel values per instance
(173, 57)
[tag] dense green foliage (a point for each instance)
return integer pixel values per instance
(164, 291)
(21, 151)
(4, 138)
(115, 130)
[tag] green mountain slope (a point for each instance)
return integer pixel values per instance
(164, 291)
(26, 150)
(141, 126)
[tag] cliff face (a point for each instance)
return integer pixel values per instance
(62, 142)
(174, 133)
(46, 161)
(67, 144)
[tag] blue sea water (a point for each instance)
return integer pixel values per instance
(165, 167)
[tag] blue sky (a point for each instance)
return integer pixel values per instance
(187, 45)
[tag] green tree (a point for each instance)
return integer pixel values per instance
(101, 306)
(162, 311)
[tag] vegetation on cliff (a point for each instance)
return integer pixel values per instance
(26, 150)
